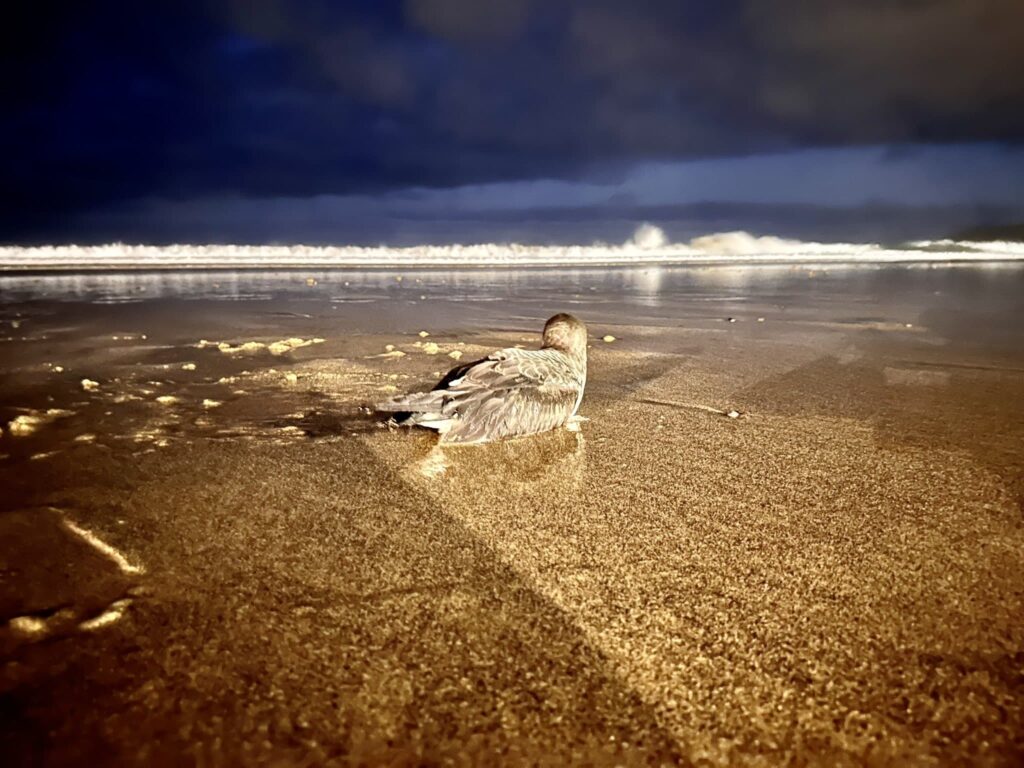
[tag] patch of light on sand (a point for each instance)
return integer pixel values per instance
(101, 546)
(434, 464)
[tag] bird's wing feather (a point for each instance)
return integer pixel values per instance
(511, 393)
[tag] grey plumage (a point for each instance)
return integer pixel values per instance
(510, 393)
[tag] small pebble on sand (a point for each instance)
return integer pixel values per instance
(609, 338)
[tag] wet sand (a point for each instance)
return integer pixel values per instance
(213, 555)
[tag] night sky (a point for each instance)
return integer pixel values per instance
(452, 120)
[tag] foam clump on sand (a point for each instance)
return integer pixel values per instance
(167, 399)
(27, 625)
(89, 385)
(252, 347)
(208, 403)
(247, 347)
(287, 345)
(431, 348)
(27, 423)
(455, 354)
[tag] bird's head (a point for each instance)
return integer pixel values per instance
(565, 333)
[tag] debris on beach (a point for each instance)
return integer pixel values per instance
(89, 385)
(732, 413)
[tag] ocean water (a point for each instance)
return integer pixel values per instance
(967, 300)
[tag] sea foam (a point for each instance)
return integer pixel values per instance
(648, 246)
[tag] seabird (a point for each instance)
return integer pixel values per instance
(510, 393)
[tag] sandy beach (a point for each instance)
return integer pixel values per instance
(212, 554)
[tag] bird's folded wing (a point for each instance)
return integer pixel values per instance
(511, 393)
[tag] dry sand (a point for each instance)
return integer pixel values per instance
(833, 578)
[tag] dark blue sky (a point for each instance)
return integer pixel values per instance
(362, 120)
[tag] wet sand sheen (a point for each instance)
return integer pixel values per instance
(834, 576)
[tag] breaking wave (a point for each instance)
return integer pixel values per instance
(648, 246)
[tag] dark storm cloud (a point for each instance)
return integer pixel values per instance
(110, 101)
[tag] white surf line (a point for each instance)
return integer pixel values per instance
(98, 544)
